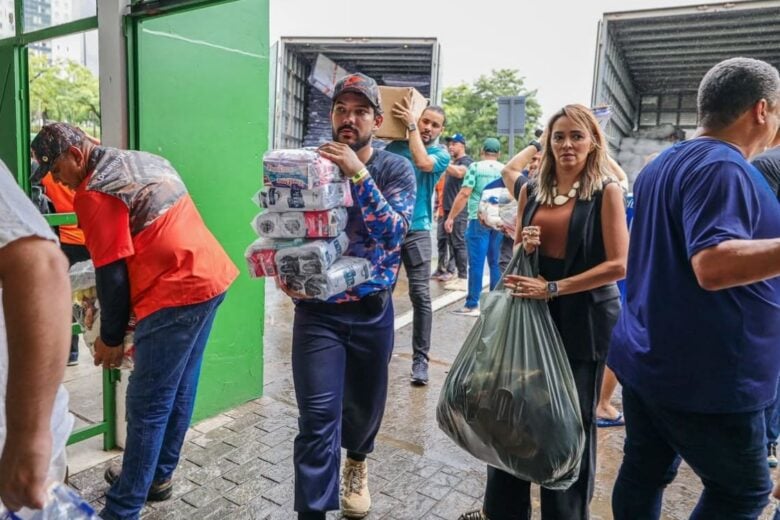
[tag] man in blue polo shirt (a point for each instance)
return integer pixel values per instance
(696, 346)
(430, 160)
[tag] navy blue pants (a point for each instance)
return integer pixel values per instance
(727, 451)
(340, 358)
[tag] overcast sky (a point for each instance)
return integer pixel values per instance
(552, 43)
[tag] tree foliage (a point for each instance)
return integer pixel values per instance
(63, 90)
(472, 110)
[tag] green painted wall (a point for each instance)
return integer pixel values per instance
(201, 96)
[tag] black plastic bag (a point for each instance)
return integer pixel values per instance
(510, 398)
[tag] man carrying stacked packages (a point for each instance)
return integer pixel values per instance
(342, 212)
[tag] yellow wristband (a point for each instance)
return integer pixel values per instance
(359, 176)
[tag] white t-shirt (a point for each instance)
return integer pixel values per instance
(19, 219)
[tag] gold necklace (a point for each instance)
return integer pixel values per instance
(560, 200)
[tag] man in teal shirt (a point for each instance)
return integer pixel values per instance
(482, 242)
(430, 160)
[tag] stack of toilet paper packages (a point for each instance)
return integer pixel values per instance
(497, 209)
(301, 231)
(345, 274)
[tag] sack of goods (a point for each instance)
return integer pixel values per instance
(86, 310)
(345, 274)
(300, 224)
(508, 216)
(509, 398)
(496, 207)
(82, 277)
(261, 255)
(303, 169)
(324, 197)
(312, 257)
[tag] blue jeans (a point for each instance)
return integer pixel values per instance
(169, 347)
(483, 243)
(727, 451)
(772, 415)
(340, 357)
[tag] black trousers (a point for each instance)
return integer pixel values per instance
(507, 246)
(509, 498)
(453, 255)
(416, 257)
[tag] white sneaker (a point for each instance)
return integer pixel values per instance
(467, 311)
(355, 498)
(459, 284)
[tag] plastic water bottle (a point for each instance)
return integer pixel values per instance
(62, 504)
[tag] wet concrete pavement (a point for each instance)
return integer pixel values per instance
(238, 465)
(410, 422)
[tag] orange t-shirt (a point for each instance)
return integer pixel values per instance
(440, 196)
(62, 199)
(174, 261)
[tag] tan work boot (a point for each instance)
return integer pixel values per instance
(355, 498)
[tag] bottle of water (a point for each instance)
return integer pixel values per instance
(62, 504)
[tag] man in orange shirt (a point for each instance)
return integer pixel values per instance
(153, 256)
(71, 237)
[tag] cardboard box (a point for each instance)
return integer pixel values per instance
(393, 128)
(325, 75)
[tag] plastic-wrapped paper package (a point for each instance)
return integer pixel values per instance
(325, 74)
(304, 169)
(62, 503)
(311, 257)
(509, 398)
(301, 224)
(324, 197)
(492, 202)
(86, 311)
(82, 276)
(346, 273)
(603, 114)
(508, 214)
(261, 255)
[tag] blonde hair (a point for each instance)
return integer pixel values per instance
(594, 174)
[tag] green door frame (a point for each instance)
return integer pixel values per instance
(17, 157)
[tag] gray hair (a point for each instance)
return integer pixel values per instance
(733, 86)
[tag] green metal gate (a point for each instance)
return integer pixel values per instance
(14, 151)
(198, 81)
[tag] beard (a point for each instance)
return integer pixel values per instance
(359, 143)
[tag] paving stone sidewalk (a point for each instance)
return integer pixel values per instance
(239, 465)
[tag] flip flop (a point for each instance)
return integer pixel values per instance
(603, 422)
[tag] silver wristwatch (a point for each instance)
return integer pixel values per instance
(552, 289)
